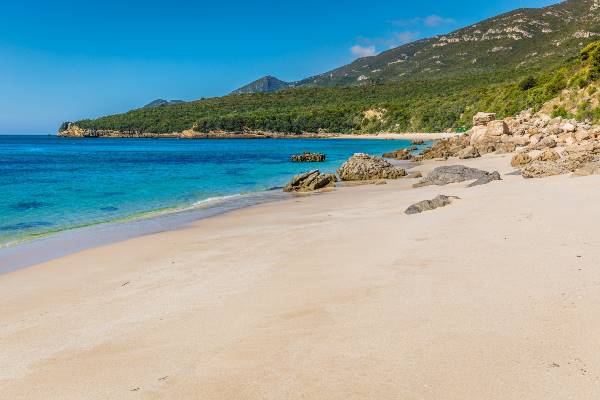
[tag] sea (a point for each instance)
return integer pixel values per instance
(51, 184)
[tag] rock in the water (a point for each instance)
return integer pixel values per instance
(468, 152)
(308, 157)
(427, 205)
(362, 167)
(450, 174)
(402, 154)
(417, 142)
(482, 118)
(310, 181)
(484, 180)
(520, 159)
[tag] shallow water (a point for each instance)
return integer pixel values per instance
(53, 184)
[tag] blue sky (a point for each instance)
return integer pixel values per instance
(67, 60)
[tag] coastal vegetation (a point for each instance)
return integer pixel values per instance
(505, 64)
(429, 105)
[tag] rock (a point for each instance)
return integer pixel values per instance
(468, 152)
(402, 154)
(482, 118)
(484, 180)
(497, 128)
(450, 174)
(427, 205)
(310, 181)
(568, 127)
(504, 148)
(308, 157)
(417, 142)
(546, 142)
(365, 167)
(414, 175)
(548, 155)
(582, 135)
(541, 169)
(477, 134)
(591, 168)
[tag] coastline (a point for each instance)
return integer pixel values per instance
(258, 302)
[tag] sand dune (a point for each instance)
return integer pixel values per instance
(334, 296)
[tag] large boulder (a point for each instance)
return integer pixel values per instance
(361, 167)
(308, 157)
(483, 118)
(477, 134)
(497, 128)
(310, 181)
(450, 174)
(427, 205)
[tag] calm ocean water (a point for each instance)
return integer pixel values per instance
(52, 184)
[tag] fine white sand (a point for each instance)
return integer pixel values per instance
(333, 296)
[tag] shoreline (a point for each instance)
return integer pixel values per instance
(266, 135)
(258, 302)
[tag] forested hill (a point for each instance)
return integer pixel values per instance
(504, 64)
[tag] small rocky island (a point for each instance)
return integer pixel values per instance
(308, 157)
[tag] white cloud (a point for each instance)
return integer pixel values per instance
(363, 51)
(429, 21)
(436, 20)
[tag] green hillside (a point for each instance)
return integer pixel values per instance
(504, 64)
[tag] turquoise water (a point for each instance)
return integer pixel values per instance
(51, 184)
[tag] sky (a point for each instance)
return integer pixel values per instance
(68, 60)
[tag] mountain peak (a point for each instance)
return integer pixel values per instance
(266, 84)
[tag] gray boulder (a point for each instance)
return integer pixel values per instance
(427, 205)
(361, 167)
(484, 180)
(450, 174)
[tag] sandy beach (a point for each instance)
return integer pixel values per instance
(332, 296)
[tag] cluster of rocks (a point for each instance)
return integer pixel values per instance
(543, 146)
(310, 181)
(359, 167)
(308, 157)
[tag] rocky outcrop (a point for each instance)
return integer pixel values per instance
(541, 169)
(468, 152)
(482, 118)
(308, 157)
(520, 159)
(310, 181)
(427, 205)
(591, 168)
(441, 176)
(362, 167)
(402, 154)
